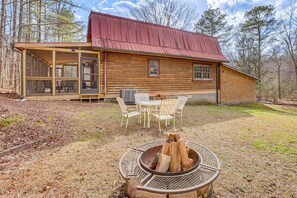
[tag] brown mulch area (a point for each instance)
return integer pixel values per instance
(21, 122)
(30, 121)
(58, 122)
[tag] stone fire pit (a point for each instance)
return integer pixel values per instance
(145, 182)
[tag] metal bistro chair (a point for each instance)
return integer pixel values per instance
(166, 112)
(140, 97)
(182, 100)
(125, 112)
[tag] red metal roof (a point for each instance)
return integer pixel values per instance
(118, 33)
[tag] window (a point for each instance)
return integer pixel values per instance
(201, 72)
(154, 69)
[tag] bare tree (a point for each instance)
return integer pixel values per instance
(288, 35)
(2, 34)
(277, 57)
(261, 24)
(173, 13)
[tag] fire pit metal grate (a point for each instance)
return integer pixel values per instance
(208, 157)
(186, 182)
(130, 168)
(199, 178)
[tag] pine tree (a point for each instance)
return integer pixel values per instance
(260, 24)
(213, 22)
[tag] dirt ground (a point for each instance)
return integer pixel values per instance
(256, 144)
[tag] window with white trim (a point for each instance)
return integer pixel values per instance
(154, 69)
(201, 72)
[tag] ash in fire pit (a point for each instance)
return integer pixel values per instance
(171, 158)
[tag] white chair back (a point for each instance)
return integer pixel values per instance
(139, 97)
(168, 107)
(182, 100)
(122, 105)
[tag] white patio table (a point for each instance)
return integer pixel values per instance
(149, 105)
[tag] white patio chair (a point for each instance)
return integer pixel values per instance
(182, 100)
(125, 112)
(166, 112)
(140, 97)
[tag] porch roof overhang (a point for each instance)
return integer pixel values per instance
(25, 45)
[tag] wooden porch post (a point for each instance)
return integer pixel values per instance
(98, 73)
(79, 72)
(24, 64)
(54, 73)
(218, 83)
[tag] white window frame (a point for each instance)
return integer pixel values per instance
(203, 68)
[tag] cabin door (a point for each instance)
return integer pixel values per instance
(89, 75)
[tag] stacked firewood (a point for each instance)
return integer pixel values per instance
(173, 157)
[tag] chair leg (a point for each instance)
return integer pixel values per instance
(122, 121)
(127, 124)
(181, 117)
(144, 119)
(139, 119)
(174, 122)
(159, 125)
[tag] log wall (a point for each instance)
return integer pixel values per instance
(236, 87)
(131, 71)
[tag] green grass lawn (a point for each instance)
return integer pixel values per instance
(275, 128)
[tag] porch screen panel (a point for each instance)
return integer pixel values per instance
(39, 87)
(38, 78)
(66, 73)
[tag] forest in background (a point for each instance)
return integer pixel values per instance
(264, 44)
(33, 21)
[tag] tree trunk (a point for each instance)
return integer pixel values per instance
(45, 21)
(29, 20)
(279, 82)
(293, 57)
(19, 39)
(39, 21)
(2, 34)
(13, 66)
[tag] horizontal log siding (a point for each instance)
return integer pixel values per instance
(131, 71)
(101, 73)
(236, 87)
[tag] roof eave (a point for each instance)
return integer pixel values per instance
(161, 54)
(239, 71)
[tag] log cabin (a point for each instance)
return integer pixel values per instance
(124, 54)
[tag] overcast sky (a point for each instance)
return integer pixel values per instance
(234, 8)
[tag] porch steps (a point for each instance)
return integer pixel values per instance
(90, 97)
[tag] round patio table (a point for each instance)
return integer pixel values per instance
(149, 105)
